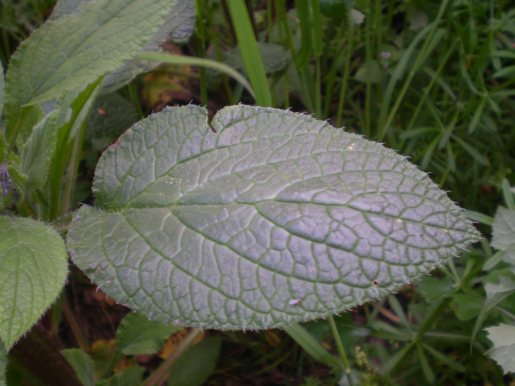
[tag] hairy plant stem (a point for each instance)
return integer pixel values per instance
(201, 33)
(161, 373)
(341, 349)
(74, 326)
(345, 77)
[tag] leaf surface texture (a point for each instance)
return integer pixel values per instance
(275, 218)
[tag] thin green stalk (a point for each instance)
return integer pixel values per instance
(161, 373)
(308, 86)
(316, 27)
(180, 60)
(505, 312)
(250, 52)
(434, 313)
(74, 160)
(318, 49)
(248, 5)
(201, 33)
(306, 41)
(65, 143)
(387, 114)
(310, 345)
(429, 87)
(318, 89)
(283, 19)
(74, 326)
(73, 168)
(368, 61)
(340, 347)
(136, 102)
(227, 16)
(331, 76)
(269, 17)
(345, 78)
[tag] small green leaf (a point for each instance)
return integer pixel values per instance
(467, 306)
(82, 364)
(194, 367)
(394, 361)
(503, 229)
(496, 291)
(110, 116)
(508, 256)
(131, 376)
(445, 359)
(426, 367)
(33, 269)
(505, 72)
(481, 159)
(508, 193)
(137, 335)
(369, 72)
(276, 218)
(503, 350)
(434, 289)
(275, 57)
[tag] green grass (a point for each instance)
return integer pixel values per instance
(18, 18)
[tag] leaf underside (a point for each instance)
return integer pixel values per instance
(276, 218)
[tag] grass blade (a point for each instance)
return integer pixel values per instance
(181, 60)
(310, 345)
(250, 52)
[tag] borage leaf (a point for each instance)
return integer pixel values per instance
(276, 218)
(33, 269)
(72, 51)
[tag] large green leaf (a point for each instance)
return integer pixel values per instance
(67, 53)
(82, 364)
(195, 366)
(276, 218)
(503, 350)
(33, 269)
(137, 335)
(177, 25)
